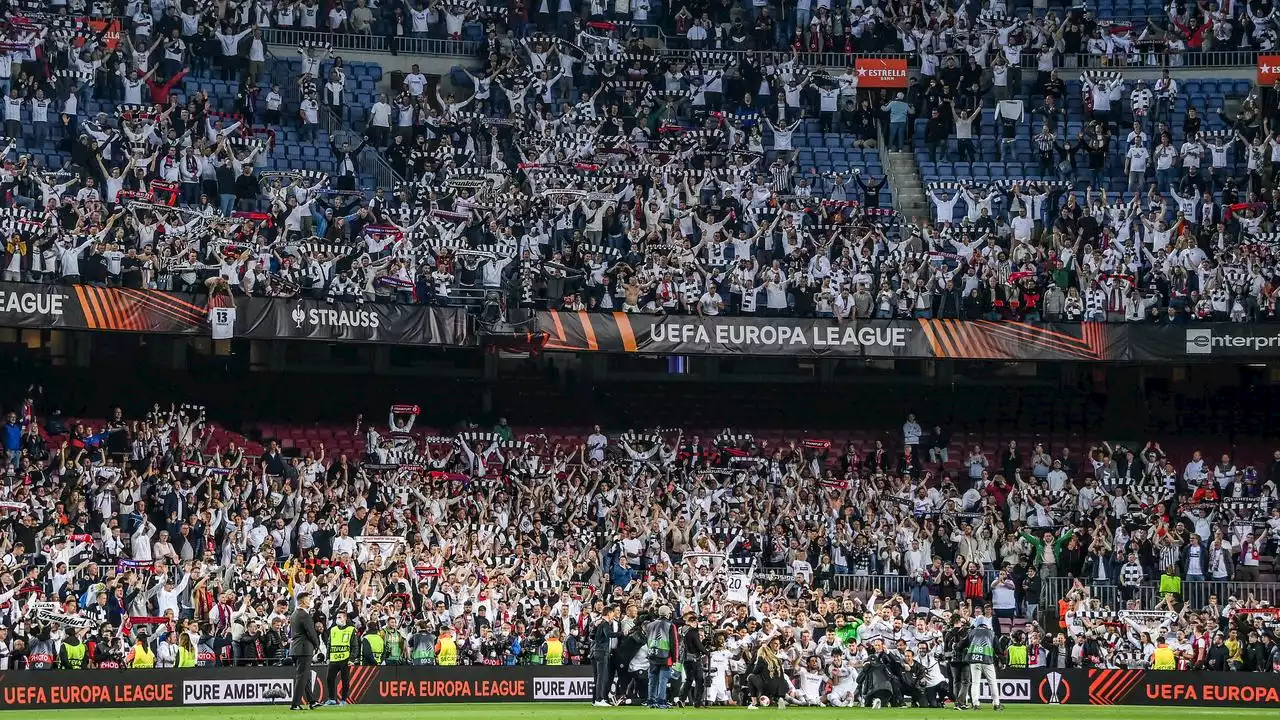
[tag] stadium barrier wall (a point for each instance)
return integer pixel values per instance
(36, 690)
(89, 307)
(619, 332)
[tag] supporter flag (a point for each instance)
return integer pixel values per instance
(405, 409)
(1268, 69)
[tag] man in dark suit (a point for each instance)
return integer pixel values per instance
(603, 642)
(302, 628)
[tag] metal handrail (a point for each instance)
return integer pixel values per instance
(1064, 61)
(352, 42)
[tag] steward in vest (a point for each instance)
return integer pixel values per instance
(73, 655)
(1163, 658)
(186, 653)
(372, 647)
(446, 647)
(422, 645)
(393, 643)
(340, 638)
(553, 649)
(140, 657)
(1018, 651)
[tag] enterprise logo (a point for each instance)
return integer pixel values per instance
(1199, 342)
(1202, 341)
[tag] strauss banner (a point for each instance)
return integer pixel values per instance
(88, 307)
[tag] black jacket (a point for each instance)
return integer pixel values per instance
(605, 634)
(302, 628)
(693, 647)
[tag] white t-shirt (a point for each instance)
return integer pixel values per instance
(1138, 158)
(415, 83)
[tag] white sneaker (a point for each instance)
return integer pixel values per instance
(753, 706)
(782, 703)
(875, 703)
(601, 703)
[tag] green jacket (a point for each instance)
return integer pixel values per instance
(848, 631)
(1037, 545)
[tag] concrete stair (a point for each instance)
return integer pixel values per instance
(908, 190)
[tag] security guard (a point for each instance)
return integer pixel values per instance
(553, 649)
(73, 655)
(1017, 651)
(186, 653)
(1162, 658)
(372, 646)
(340, 636)
(446, 647)
(140, 657)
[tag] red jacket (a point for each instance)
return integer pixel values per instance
(160, 92)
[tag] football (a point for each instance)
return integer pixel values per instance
(765, 701)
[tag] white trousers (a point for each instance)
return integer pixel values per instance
(977, 673)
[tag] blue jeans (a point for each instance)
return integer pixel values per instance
(226, 203)
(659, 678)
(897, 135)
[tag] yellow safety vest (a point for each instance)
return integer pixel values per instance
(555, 652)
(1163, 659)
(142, 657)
(448, 654)
(377, 647)
(1017, 656)
(340, 643)
(186, 658)
(75, 656)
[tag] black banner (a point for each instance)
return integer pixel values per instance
(307, 319)
(35, 690)
(1154, 687)
(810, 337)
(88, 307)
(1202, 342)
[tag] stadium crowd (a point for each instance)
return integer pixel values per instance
(587, 171)
(582, 169)
(795, 573)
